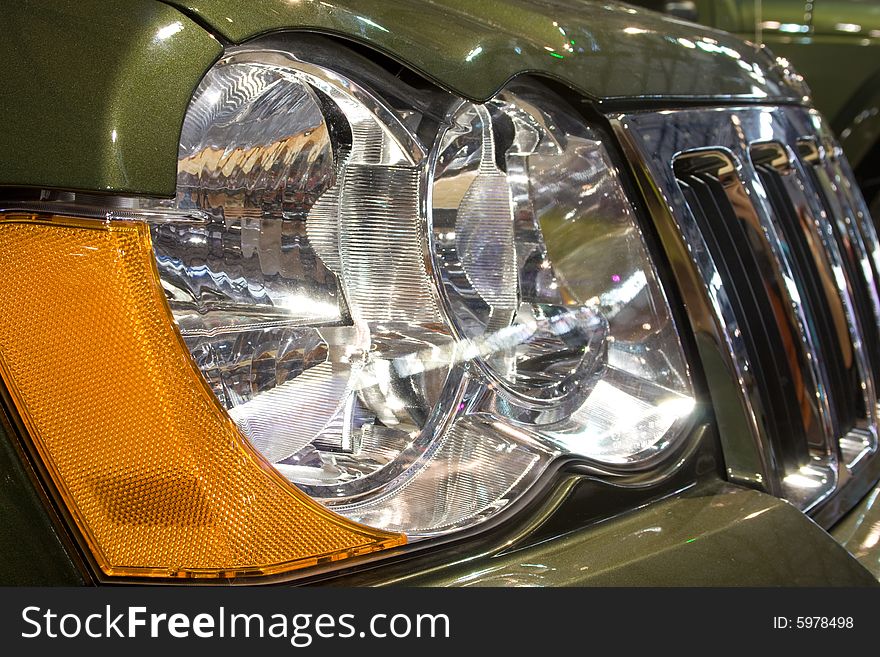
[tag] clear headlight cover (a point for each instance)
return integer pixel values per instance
(411, 316)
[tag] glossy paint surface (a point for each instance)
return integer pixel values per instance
(95, 72)
(604, 49)
(97, 97)
(719, 537)
(93, 93)
(859, 532)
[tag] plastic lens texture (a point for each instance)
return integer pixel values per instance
(411, 328)
(544, 267)
(151, 468)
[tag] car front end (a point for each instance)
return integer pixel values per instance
(427, 293)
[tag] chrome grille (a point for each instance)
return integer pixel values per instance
(778, 261)
(836, 321)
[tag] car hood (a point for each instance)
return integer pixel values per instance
(605, 50)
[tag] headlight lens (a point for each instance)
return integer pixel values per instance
(411, 318)
(412, 367)
(543, 265)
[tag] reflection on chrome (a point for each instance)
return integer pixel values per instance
(835, 226)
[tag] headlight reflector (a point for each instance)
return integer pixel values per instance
(542, 261)
(415, 367)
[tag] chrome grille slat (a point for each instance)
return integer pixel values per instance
(837, 211)
(809, 242)
(853, 393)
(746, 265)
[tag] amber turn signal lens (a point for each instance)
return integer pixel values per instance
(152, 470)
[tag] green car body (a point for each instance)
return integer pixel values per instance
(94, 102)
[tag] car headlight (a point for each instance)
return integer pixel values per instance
(408, 314)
